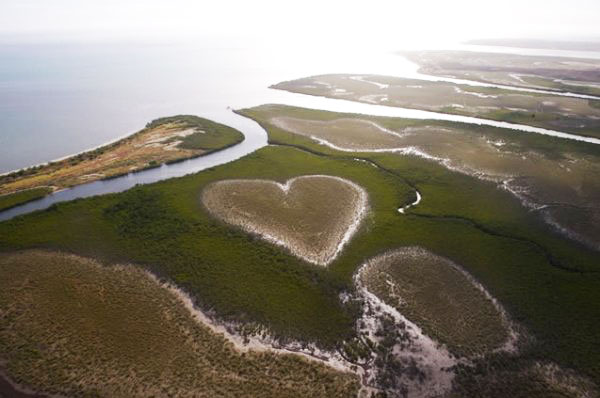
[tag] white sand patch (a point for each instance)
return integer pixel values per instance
(172, 146)
(92, 175)
(516, 77)
(261, 341)
(161, 137)
(480, 95)
(322, 83)
(521, 192)
(498, 143)
(152, 145)
(373, 98)
(187, 132)
(430, 357)
(402, 210)
(490, 107)
(367, 162)
(364, 80)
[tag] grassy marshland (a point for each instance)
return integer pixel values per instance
(546, 282)
(71, 326)
(574, 115)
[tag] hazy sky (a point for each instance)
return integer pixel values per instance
(348, 22)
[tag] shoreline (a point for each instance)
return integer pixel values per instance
(110, 160)
(106, 144)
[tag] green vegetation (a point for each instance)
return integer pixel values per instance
(546, 282)
(555, 84)
(18, 198)
(310, 218)
(503, 375)
(237, 275)
(549, 170)
(72, 327)
(434, 294)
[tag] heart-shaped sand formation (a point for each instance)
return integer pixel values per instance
(313, 216)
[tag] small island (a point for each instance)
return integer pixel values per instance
(164, 140)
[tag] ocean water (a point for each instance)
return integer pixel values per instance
(56, 100)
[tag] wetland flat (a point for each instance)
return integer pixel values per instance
(575, 75)
(350, 255)
(438, 296)
(553, 177)
(569, 114)
(262, 291)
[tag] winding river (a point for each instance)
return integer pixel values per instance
(252, 86)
